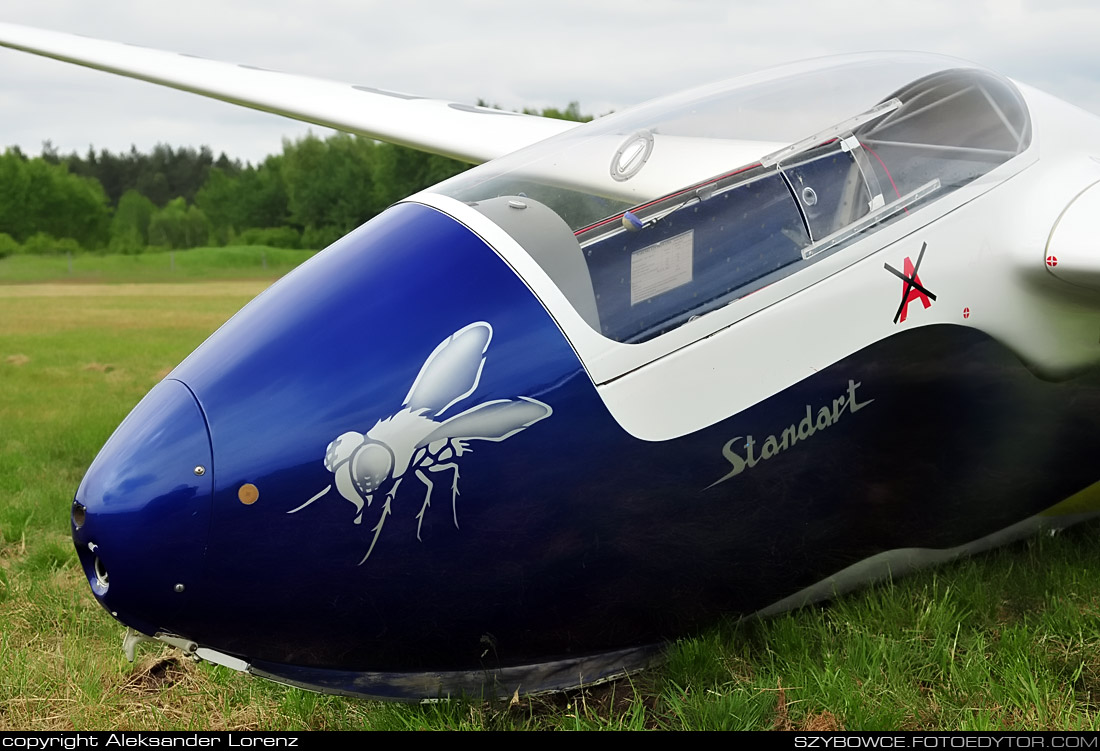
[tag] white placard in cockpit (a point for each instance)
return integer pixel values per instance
(661, 267)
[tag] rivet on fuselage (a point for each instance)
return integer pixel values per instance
(200, 471)
(178, 588)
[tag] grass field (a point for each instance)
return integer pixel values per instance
(236, 262)
(1006, 640)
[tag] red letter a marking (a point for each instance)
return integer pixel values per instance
(912, 293)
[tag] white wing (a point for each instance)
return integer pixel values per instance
(462, 131)
(452, 371)
(472, 134)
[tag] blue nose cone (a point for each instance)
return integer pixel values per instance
(141, 515)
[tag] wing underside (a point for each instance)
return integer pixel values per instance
(461, 131)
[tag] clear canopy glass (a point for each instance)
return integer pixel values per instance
(653, 216)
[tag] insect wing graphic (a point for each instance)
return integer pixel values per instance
(452, 371)
(414, 440)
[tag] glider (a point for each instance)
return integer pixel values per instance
(726, 352)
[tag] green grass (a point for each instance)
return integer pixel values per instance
(1005, 640)
(1009, 640)
(234, 262)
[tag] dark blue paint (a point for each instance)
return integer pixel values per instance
(574, 538)
(148, 514)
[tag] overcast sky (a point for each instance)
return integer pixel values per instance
(607, 54)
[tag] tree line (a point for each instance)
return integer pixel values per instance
(308, 196)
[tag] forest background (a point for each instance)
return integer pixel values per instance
(310, 195)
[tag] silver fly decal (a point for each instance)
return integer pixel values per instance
(414, 440)
(806, 427)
